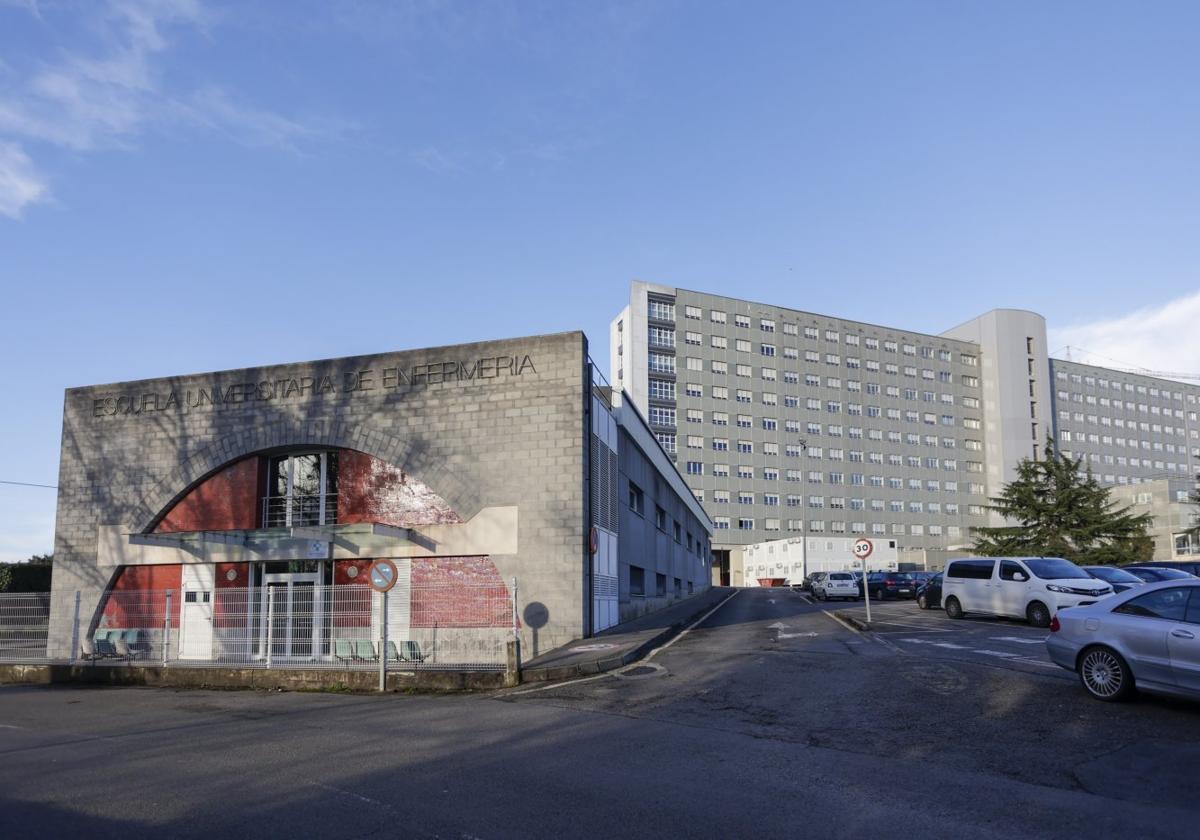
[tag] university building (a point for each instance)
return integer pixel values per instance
(485, 472)
(789, 424)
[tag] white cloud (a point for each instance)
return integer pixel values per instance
(108, 95)
(20, 183)
(1160, 338)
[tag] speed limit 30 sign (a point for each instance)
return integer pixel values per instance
(863, 548)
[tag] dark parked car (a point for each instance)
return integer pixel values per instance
(1157, 574)
(1191, 567)
(884, 585)
(921, 578)
(929, 594)
(806, 586)
(1118, 579)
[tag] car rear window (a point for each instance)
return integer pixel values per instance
(840, 576)
(971, 569)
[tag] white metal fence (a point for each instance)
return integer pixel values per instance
(290, 625)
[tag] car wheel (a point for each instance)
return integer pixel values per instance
(922, 603)
(953, 608)
(1038, 614)
(1104, 674)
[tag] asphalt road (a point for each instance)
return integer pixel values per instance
(770, 719)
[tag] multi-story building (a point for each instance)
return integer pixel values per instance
(1127, 427)
(1167, 501)
(788, 423)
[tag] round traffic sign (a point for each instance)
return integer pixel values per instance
(863, 548)
(383, 575)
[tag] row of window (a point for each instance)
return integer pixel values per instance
(1121, 405)
(1126, 387)
(928, 462)
(665, 389)
(855, 479)
(636, 499)
(1140, 463)
(746, 497)
(666, 312)
(1066, 436)
(818, 526)
(720, 367)
(1121, 423)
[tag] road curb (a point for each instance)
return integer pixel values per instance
(611, 663)
(853, 621)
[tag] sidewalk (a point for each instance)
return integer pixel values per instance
(622, 644)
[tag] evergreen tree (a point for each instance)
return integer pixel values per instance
(1058, 510)
(1194, 531)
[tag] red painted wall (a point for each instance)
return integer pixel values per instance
(458, 592)
(137, 598)
(371, 490)
(225, 501)
(352, 596)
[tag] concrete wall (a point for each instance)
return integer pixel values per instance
(1015, 378)
(643, 544)
(483, 425)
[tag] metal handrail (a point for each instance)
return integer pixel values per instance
(312, 509)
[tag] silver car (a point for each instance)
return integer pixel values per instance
(835, 585)
(1146, 638)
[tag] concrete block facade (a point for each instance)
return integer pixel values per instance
(484, 425)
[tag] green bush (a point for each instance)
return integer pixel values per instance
(25, 577)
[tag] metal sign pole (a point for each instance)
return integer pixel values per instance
(866, 591)
(383, 637)
(167, 628)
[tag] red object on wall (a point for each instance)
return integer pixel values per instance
(458, 592)
(225, 501)
(230, 606)
(352, 594)
(137, 598)
(371, 490)
(343, 576)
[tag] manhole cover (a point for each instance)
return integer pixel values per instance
(640, 672)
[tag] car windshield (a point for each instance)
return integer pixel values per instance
(1055, 568)
(1111, 575)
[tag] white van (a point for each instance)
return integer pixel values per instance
(1033, 588)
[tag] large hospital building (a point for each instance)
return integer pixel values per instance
(789, 423)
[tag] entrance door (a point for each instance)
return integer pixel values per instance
(196, 612)
(291, 610)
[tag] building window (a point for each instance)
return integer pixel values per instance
(637, 581)
(660, 518)
(661, 310)
(302, 490)
(637, 500)
(662, 389)
(662, 337)
(695, 467)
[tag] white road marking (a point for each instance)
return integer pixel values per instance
(946, 645)
(550, 685)
(848, 626)
(1018, 639)
(349, 793)
(688, 629)
(10, 726)
(1003, 653)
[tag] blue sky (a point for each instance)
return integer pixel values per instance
(189, 186)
